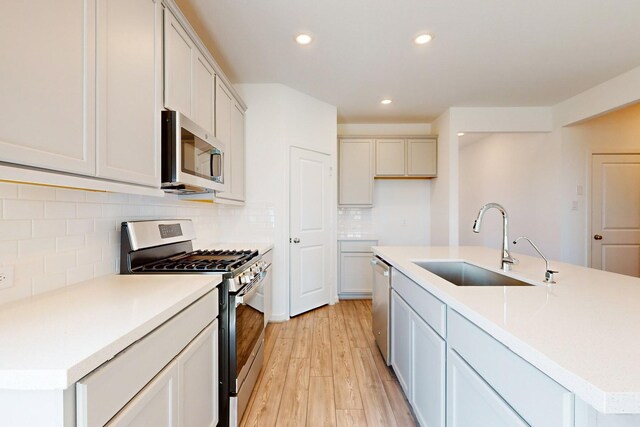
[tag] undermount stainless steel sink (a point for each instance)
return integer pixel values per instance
(464, 274)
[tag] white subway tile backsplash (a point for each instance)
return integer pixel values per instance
(88, 210)
(23, 209)
(48, 282)
(80, 226)
(59, 262)
(49, 228)
(8, 251)
(70, 195)
(57, 210)
(79, 274)
(56, 236)
(36, 192)
(69, 243)
(90, 255)
(15, 230)
(31, 247)
(8, 190)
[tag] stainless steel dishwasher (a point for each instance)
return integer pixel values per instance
(381, 298)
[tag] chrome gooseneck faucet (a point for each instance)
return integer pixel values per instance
(548, 274)
(507, 259)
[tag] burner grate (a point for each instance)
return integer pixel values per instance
(202, 260)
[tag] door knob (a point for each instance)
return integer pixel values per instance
(296, 240)
(597, 237)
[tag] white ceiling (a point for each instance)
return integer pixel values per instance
(484, 52)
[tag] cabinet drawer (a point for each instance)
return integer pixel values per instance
(101, 394)
(430, 308)
(538, 399)
(357, 245)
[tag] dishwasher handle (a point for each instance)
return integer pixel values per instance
(380, 267)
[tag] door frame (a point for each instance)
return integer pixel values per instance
(588, 192)
(333, 226)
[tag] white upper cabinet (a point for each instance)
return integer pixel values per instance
(412, 157)
(47, 84)
(204, 82)
(421, 157)
(356, 172)
(190, 79)
(390, 157)
(129, 126)
(230, 124)
(179, 53)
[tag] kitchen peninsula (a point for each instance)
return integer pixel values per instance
(563, 354)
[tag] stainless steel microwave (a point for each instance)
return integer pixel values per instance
(192, 158)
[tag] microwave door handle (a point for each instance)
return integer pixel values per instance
(220, 154)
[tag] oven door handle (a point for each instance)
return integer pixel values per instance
(251, 290)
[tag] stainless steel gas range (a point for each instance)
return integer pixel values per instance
(166, 247)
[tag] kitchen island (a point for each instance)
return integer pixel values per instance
(581, 332)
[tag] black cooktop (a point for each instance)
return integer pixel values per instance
(224, 261)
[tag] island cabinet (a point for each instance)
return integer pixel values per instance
(486, 377)
(168, 378)
(83, 120)
(418, 349)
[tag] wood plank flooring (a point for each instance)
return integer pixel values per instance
(323, 368)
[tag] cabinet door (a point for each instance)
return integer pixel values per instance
(129, 126)
(235, 157)
(421, 157)
(155, 405)
(470, 400)
(401, 341)
(179, 54)
(355, 273)
(356, 172)
(47, 84)
(198, 373)
(390, 157)
(428, 352)
(204, 81)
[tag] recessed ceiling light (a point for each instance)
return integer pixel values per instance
(423, 39)
(303, 39)
(385, 101)
(460, 133)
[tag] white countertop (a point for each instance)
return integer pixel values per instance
(50, 341)
(584, 332)
(356, 236)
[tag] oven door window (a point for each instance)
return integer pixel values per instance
(199, 157)
(249, 327)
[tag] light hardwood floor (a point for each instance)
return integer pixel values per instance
(323, 368)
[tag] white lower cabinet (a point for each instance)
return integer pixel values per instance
(354, 265)
(471, 401)
(167, 378)
(418, 359)
(155, 405)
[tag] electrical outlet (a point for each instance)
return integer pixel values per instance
(6, 276)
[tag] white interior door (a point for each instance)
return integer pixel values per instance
(615, 213)
(309, 230)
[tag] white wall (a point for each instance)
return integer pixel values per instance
(444, 188)
(401, 213)
(512, 169)
(618, 131)
(277, 119)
